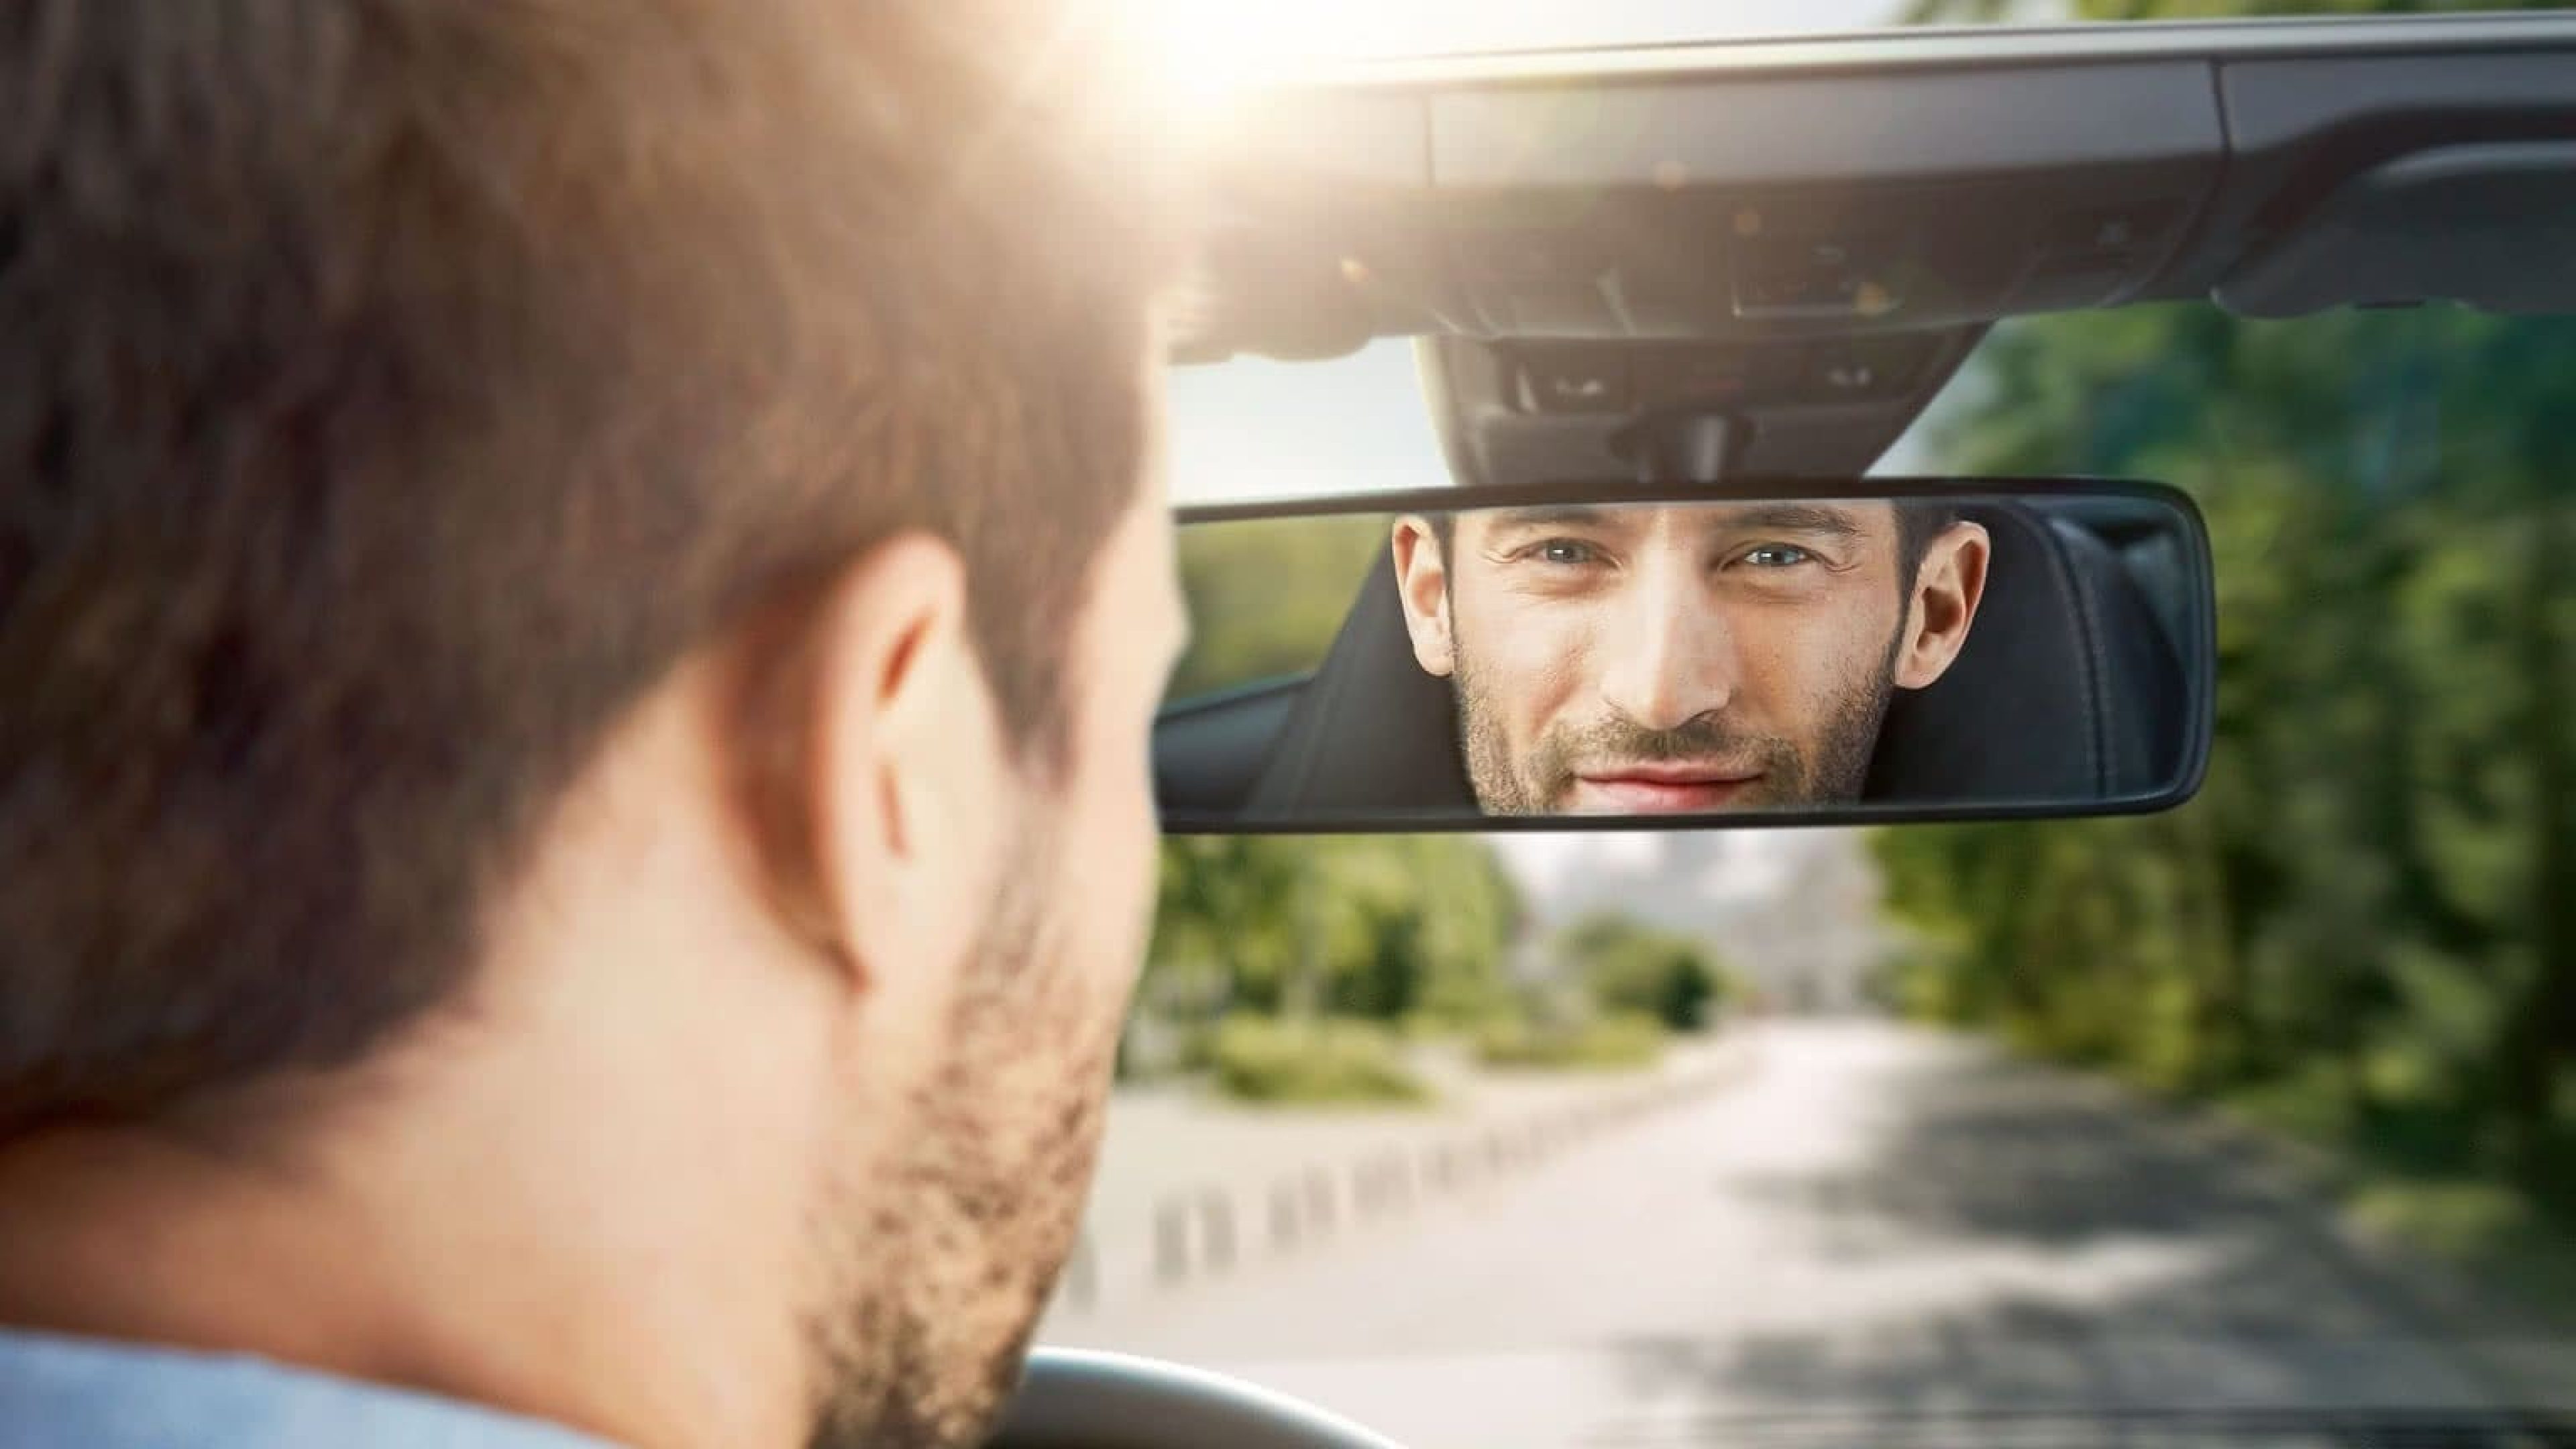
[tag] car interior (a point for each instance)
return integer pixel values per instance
(1763, 260)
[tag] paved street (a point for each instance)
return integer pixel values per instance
(1874, 1220)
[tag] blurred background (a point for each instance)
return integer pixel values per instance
(2267, 1102)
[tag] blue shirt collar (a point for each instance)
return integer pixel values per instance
(98, 1394)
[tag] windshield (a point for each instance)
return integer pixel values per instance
(2261, 1113)
(2266, 1104)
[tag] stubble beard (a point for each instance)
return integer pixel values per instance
(933, 1270)
(1832, 774)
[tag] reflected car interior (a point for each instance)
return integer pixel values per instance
(2059, 694)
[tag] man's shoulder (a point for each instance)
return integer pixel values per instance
(57, 1392)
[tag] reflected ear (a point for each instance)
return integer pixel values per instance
(1943, 607)
(903, 769)
(1422, 583)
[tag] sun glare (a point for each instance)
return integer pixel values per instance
(1206, 50)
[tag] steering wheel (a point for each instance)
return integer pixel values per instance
(1077, 1399)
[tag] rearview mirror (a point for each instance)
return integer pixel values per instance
(1610, 655)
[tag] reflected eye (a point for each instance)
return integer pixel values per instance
(1777, 556)
(1564, 552)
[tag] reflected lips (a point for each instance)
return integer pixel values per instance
(1665, 789)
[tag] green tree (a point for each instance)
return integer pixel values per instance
(1374, 926)
(1630, 967)
(2374, 897)
(2373, 892)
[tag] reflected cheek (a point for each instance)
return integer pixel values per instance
(1542, 676)
(1768, 671)
(1798, 665)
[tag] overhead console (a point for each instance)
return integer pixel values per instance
(2389, 180)
(1778, 207)
(1764, 196)
(1513, 411)
(1740, 210)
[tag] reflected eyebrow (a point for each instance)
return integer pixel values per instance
(1794, 518)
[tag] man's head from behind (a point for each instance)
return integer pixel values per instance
(572, 578)
(1683, 657)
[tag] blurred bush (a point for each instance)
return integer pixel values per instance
(1327, 1061)
(2365, 924)
(1383, 927)
(1628, 966)
(1622, 1041)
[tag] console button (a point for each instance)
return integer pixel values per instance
(1574, 380)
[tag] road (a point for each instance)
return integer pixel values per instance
(1876, 1220)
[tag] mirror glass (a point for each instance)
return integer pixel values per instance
(1587, 654)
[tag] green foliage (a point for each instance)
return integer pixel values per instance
(1622, 1041)
(1332, 1061)
(1266, 596)
(2364, 931)
(1630, 967)
(1384, 927)
(2372, 906)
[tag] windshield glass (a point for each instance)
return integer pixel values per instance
(2268, 1104)
(2258, 1117)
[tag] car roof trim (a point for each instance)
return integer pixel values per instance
(1958, 48)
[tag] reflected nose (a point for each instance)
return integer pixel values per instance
(1670, 656)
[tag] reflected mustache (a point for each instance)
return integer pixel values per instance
(1692, 741)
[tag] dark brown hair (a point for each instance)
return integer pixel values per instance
(1918, 522)
(392, 391)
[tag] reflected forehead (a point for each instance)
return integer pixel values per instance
(1569, 515)
(1851, 518)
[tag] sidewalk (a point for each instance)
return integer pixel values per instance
(1190, 1185)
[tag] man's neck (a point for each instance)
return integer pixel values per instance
(565, 1198)
(133, 1237)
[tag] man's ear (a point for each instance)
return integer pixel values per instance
(905, 774)
(1422, 583)
(1938, 614)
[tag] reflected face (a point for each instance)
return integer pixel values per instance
(1675, 658)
